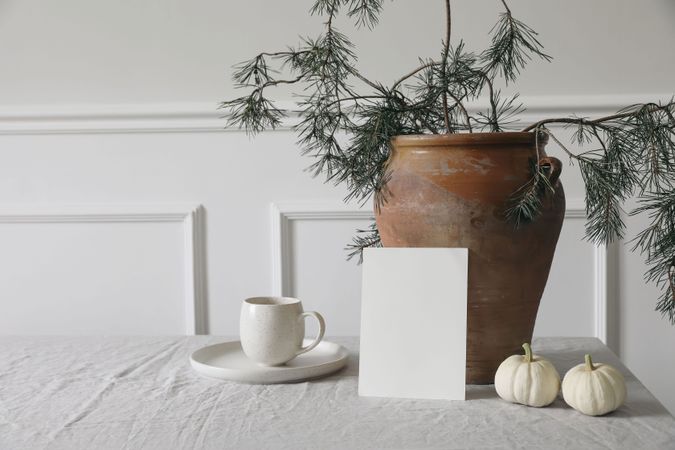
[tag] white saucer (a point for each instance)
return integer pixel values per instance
(227, 361)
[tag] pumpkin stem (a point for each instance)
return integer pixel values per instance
(589, 362)
(528, 352)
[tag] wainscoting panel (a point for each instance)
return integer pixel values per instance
(101, 269)
(574, 302)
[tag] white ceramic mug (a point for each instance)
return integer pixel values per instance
(272, 329)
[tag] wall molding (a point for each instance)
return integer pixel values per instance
(601, 283)
(191, 216)
(283, 213)
(205, 117)
(576, 209)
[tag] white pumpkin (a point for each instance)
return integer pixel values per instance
(527, 379)
(594, 389)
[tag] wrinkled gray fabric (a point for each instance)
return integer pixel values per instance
(140, 393)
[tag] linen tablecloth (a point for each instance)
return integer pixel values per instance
(140, 392)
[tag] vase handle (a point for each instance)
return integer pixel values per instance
(554, 168)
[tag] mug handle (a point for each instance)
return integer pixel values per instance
(322, 330)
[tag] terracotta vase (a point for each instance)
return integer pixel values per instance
(452, 191)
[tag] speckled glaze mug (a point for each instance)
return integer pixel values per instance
(272, 329)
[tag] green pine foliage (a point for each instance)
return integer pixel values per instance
(347, 122)
(656, 242)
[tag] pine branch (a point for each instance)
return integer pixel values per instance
(414, 72)
(636, 156)
(657, 242)
(348, 120)
(460, 105)
(253, 112)
(444, 66)
(600, 121)
(364, 239)
(502, 113)
(367, 12)
(525, 203)
(513, 44)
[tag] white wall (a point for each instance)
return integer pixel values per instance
(108, 109)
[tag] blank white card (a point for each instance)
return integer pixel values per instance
(413, 323)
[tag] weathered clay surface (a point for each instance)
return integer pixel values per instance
(452, 191)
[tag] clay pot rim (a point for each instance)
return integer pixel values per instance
(463, 139)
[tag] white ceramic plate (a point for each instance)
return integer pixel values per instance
(227, 361)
